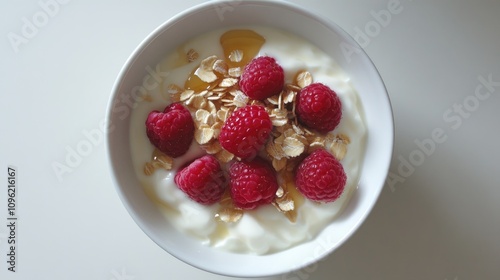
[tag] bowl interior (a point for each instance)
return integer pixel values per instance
(327, 36)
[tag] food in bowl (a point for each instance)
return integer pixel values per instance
(194, 145)
(140, 75)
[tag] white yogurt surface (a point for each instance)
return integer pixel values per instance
(263, 230)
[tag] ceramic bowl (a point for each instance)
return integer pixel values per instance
(282, 15)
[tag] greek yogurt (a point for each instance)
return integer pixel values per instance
(263, 230)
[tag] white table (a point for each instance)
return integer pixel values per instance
(437, 219)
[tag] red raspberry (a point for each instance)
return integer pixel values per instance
(262, 78)
(252, 183)
(172, 130)
(202, 180)
(319, 107)
(320, 177)
(246, 131)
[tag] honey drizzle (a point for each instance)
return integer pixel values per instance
(239, 42)
(248, 42)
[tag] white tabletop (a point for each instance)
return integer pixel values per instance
(438, 218)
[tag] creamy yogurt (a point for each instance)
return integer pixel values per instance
(263, 230)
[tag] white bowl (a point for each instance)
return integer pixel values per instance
(327, 36)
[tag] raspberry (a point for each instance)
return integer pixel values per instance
(252, 183)
(202, 180)
(172, 130)
(262, 78)
(319, 107)
(320, 177)
(246, 131)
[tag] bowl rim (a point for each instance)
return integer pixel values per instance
(384, 163)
